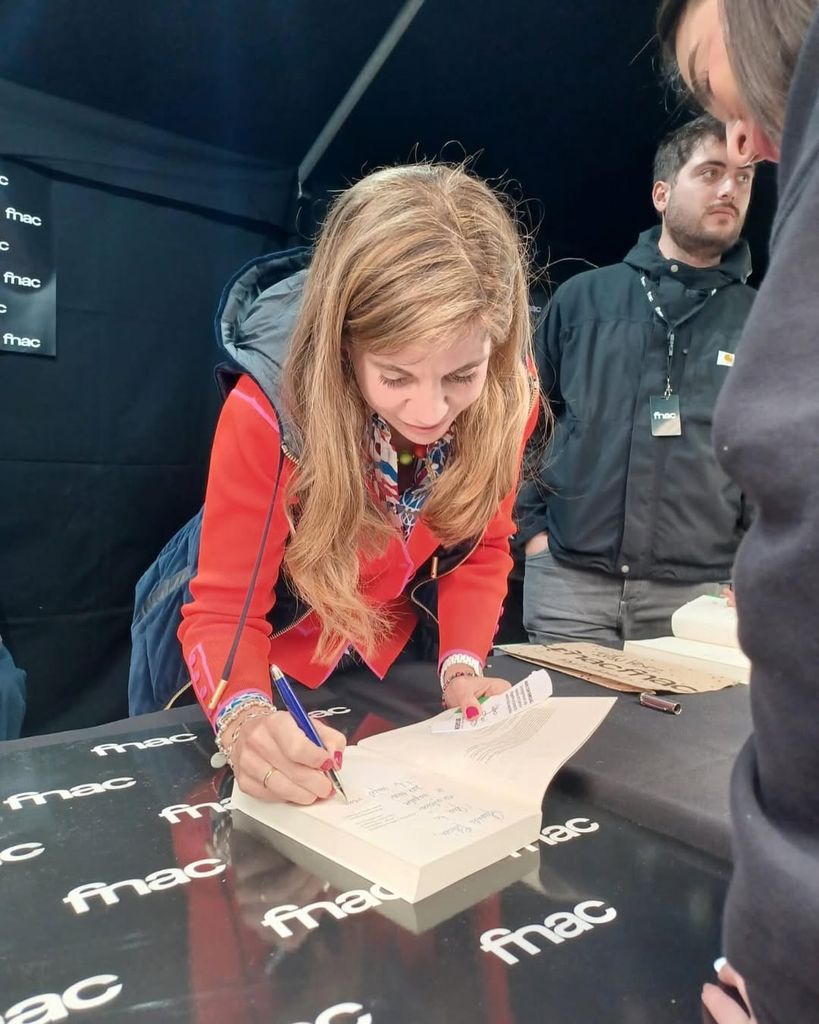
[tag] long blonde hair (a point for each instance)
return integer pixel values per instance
(408, 255)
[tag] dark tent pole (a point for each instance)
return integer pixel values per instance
(362, 81)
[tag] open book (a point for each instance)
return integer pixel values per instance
(705, 639)
(429, 808)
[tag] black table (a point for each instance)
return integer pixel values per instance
(128, 893)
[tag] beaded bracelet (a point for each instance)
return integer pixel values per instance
(230, 708)
(451, 678)
(459, 659)
(226, 719)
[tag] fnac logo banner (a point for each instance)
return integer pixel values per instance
(28, 277)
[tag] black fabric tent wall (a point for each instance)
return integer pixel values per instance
(103, 450)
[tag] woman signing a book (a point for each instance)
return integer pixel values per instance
(365, 463)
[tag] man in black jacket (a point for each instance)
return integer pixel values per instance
(632, 515)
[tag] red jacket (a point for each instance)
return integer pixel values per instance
(244, 463)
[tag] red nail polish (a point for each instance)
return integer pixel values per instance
(472, 712)
(338, 757)
(327, 766)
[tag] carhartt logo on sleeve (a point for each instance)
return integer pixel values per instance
(725, 358)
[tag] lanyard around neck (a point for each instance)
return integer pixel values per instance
(671, 327)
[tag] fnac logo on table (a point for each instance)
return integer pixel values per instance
(15, 802)
(341, 1013)
(21, 851)
(104, 749)
(87, 994)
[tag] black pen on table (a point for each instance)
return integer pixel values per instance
(303, 721)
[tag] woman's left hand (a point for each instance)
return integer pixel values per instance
(464, 693)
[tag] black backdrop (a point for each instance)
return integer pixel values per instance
(172, 135)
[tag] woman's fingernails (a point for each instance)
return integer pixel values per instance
(338, 757)
(719, 963)
(472, 712)
(327, 766)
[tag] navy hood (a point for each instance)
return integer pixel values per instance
(254, 323)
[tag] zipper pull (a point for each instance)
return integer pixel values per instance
(433, 575)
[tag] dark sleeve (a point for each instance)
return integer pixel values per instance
(530, 507)
(766, 432)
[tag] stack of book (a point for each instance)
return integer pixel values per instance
(705, 639)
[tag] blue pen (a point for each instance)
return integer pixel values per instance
(303, 721)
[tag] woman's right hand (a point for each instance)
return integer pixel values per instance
(274, 741)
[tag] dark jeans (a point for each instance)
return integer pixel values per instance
(561, 603)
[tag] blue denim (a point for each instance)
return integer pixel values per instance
(157, 667)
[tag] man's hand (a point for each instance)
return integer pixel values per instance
(536, 544)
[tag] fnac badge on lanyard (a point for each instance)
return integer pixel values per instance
(665, 409)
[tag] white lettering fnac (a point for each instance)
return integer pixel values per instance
(87, 994)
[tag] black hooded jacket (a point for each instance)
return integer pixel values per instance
(612, 496)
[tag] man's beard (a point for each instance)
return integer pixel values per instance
(693, 236)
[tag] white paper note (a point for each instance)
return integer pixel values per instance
(535, 688)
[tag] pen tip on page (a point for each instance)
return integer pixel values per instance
(338, 787)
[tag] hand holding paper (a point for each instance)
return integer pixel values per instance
(531, 690)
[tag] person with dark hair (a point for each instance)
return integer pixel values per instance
(755, 65)
(630, 515)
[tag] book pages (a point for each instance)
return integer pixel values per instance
(515, 758)
(411, 830)
(708, 619)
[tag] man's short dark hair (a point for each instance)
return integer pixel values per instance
(675, 150)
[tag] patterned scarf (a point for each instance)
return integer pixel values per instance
(384, 458)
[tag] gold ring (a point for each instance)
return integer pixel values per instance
(267, 775)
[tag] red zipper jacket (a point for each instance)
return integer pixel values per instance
(243, 469)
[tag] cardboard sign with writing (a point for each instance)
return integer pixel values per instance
(616, 670)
